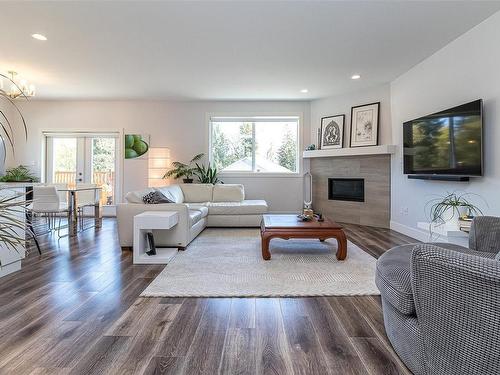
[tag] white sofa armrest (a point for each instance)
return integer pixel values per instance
(125, 213)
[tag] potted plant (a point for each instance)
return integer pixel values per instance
(206, 175)
(12, 210)
(450, 208)
(21, 173)
(12, 206)
(184, 170)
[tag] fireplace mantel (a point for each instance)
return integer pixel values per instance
(350, 151)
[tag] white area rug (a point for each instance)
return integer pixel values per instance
(228, 263)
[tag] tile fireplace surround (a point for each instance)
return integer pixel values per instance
(376, 172)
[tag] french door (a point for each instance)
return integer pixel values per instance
(80, 158)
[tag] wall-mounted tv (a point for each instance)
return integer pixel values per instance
(446, 143)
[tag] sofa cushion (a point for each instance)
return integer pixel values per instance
(393, 276)
(197, 193)
(228, 193)
(194, 217)
(198, 207)
(136, 196)
(172, 192)
(155, 197)
(246, 207)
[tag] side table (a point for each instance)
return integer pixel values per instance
(145, 223)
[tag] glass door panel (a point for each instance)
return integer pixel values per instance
(103, 165)
(62, 160)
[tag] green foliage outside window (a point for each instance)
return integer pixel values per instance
(230, 146)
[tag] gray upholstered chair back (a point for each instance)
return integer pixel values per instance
(457, 302)
(485, 234)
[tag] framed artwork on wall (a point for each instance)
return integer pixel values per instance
(136, 146)
(364, 125)
(332, 132)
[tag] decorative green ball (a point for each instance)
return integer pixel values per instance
(129, 141)
(140, 147)
(130, 153)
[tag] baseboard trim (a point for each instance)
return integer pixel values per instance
(416, 233)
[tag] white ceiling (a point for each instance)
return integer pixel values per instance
(223, 50)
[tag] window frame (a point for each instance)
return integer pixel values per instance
(239, 116)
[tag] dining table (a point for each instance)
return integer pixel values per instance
(72, 191)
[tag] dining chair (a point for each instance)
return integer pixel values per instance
(47, 202)
(62, 192)
(85, 198)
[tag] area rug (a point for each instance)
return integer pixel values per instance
(228, 263)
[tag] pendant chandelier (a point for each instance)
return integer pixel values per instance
(16, 87)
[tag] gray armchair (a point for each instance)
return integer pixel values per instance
(441, 303)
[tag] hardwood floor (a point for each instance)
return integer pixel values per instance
(76, 310)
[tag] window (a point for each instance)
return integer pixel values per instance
(255, 144)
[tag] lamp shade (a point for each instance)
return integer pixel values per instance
(158, 163)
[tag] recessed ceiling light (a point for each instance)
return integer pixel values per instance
(39, 37)
(304, 91)
(355, 76)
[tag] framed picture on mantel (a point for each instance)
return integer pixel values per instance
(332, 132)
(364, 125)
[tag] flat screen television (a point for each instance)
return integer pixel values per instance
(446, 143)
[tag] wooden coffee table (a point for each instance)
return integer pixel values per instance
(290, 226)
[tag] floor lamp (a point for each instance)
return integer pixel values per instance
(158, 163)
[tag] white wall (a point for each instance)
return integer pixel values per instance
(181, 126)
(464, 70)
(341, 104)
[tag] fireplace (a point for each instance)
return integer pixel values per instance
(372, 171)
(346, 189)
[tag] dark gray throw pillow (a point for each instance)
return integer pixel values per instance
(155, 197)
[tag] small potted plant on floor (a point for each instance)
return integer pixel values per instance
(184, 170)
(449, 209)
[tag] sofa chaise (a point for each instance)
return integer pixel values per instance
(441, 303)
(198, 206)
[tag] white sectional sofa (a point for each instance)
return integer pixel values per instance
(198, 206)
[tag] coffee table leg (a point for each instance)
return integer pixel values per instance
(265, 247)
(341, 245)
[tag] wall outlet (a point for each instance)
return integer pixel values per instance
(403, 211)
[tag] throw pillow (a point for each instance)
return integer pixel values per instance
(155, 197)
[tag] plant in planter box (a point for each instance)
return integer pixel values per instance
(184, 170)
(206, 175)
(21, 173)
